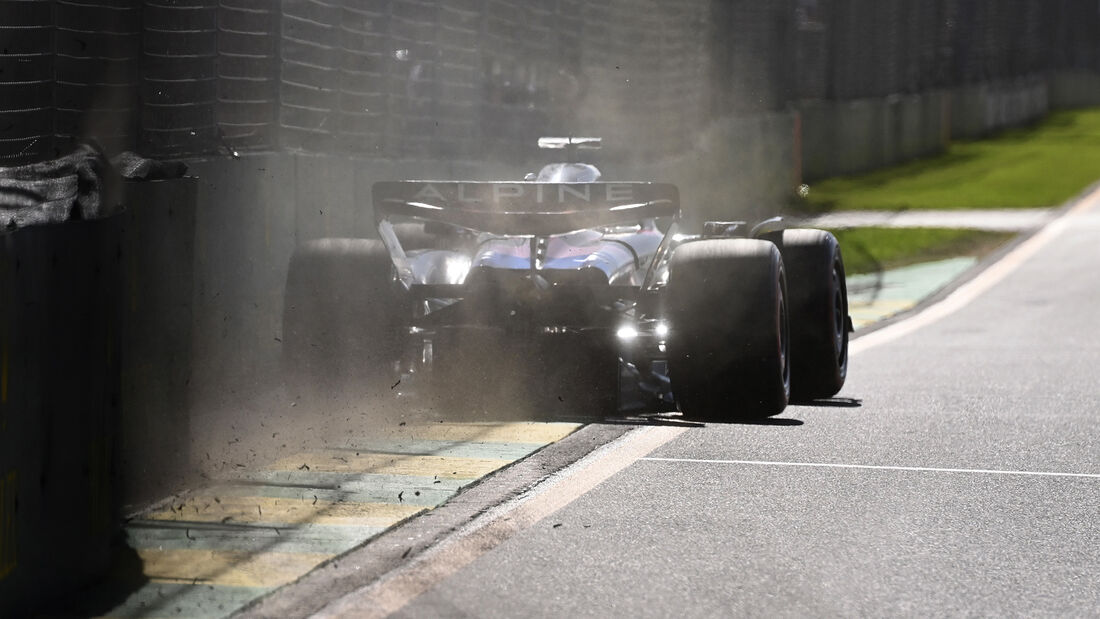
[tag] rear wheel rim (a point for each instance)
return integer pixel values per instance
(839, 330)
(784, 341)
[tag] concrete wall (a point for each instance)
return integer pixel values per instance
(157, 307)
(980, 109)
(848, 137)
(1070, 89)
(854, 136)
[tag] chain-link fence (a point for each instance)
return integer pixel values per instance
(480, 79)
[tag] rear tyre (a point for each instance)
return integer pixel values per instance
(728, 343)
(819, 312)
(341, 317)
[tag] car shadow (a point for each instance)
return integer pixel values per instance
(677, 420)
(671, 419)
(832, 403)
(660, 419)
(768, 421)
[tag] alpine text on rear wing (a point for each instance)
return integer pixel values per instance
(525, 208)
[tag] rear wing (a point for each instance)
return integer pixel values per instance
(521, 209)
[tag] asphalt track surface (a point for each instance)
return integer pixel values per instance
(958, 473)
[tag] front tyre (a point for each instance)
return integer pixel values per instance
(726, 303)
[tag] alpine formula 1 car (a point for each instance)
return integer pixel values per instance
(567, 293)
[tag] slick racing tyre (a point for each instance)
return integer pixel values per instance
(728, 329)
(341, 314)
(819, 312)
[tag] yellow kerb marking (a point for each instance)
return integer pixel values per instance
(231, 568)
(246, 509)
(518, 432)
(389, 464)
(866, 313)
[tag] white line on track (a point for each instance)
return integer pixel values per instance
(493, 528)
(922, 469)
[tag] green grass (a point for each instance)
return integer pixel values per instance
(867, 250)
(1044, 165)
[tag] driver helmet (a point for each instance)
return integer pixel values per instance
(568, 173)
